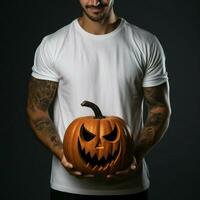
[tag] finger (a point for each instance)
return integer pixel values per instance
(134, 160)
(123, 172)
(133, 166)
(76, 173)
(89, 176)
(67, 164)
(109, 176)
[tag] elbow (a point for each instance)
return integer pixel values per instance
(33, 114)
(30, 116)
(30, 111)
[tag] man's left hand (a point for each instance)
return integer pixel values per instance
(132, 168)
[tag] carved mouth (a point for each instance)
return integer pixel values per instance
(93, 161)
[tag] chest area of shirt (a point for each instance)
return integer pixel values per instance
(88, 62)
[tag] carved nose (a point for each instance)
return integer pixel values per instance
(99, 145)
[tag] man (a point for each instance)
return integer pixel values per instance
(102, 58)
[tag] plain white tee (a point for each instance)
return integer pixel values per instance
(110, 71)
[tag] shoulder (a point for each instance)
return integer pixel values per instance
(56, 38)
(139, 34)
(141, 38)
(52, 43)
(59, 34)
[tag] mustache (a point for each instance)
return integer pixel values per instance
(101, 5)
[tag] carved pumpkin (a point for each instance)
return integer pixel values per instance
(98, 145)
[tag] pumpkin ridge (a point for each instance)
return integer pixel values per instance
(73, 142)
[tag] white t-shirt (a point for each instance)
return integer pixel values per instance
(110, 71)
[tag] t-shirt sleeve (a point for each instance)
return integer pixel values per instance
(155, 73)
(43, 67)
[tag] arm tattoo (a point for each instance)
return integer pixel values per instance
(157, 119)
(46, 125)
(155, 96)
(41, 94)
(40, 97)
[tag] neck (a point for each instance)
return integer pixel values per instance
(99, 27)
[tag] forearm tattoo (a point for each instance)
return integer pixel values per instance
(46, 125)
(40, 97)
(157, 119)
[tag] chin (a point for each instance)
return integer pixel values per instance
(96, 18)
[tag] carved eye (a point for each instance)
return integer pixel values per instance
(86, 135)
(111, 136)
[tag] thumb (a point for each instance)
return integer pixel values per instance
(134, 163)
(65, 163)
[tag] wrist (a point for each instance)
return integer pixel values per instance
(58, 152)
(140, 151)
(139, 156)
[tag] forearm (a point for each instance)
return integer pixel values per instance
(159, 111)
(154, 129)
(45, 131)
(40, 97)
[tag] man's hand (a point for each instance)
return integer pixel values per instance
(70, 168)
(131, 169)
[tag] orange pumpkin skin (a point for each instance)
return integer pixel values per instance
(98, 145)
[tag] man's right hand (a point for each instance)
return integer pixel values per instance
(70, 168)
(67, 165)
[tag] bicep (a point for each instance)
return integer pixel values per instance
(40, 94)
(157, 96)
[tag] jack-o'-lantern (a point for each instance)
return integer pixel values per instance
(98, 144)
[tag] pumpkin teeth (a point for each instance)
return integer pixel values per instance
(88, 164)
(82, 146)
(105, 156)
(99, 155)
(99, 161)
(116, 155)
(95, 167)
(92, 154)
(114, 149)
(105, 168)
(100, 168)
(86, 151)
(112, 162)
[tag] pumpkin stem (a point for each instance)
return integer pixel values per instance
(94, 107)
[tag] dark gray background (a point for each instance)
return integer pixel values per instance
(174, 163)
